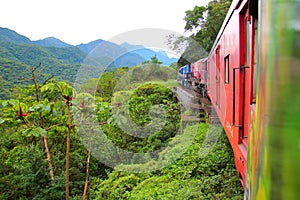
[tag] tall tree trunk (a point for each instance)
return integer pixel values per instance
(86, 184)
(48, 159)
(48, 155)
(68, 151)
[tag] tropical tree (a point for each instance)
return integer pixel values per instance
(204, 23)
(153, 60)
(208, 20)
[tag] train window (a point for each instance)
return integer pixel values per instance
(226, 70)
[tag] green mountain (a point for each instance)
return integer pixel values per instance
(114, 55)
(12, 74)
(32, 54)
(146, 53)
(7, 35)
(18, 54)
(51, 42)
(87, 48)
(16, 61)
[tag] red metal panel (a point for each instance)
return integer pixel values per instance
(203, 71)
(228, 99)
(193, 65)
(197, 71)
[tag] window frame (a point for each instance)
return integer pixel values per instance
(226, 69)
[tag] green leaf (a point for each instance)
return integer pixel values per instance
(67, 91)
(37, 132)
(10, 102)
(31, 109)
(48, 87)
(1, 120)
(41, 108)
(4, 103)
(21, 106)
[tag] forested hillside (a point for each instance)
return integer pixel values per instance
(61, 60)
(49, 138)
(16, 61)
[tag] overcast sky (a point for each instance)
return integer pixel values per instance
(82, 21)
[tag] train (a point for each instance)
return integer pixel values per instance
(251, 76)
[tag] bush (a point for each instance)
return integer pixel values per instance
(193, 176)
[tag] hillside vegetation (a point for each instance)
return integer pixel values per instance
(189, 177)
(37, 159)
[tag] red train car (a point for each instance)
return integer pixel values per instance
(230, 77)
(253, 62)
(198, 77)
(197, 70)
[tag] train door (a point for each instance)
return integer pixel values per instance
(247, 63)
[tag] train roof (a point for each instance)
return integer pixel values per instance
(201, 60)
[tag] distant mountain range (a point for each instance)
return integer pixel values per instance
(136, 53)
(148, 53)
(18, 54)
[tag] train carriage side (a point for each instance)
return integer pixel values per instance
(238, 73)
(202, 68)
(230, 63)
(196, 75)
(203, 71)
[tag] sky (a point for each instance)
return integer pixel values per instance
(83, 21)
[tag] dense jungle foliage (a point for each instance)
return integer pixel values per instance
(53, 142)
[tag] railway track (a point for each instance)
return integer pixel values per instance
(194, 102)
